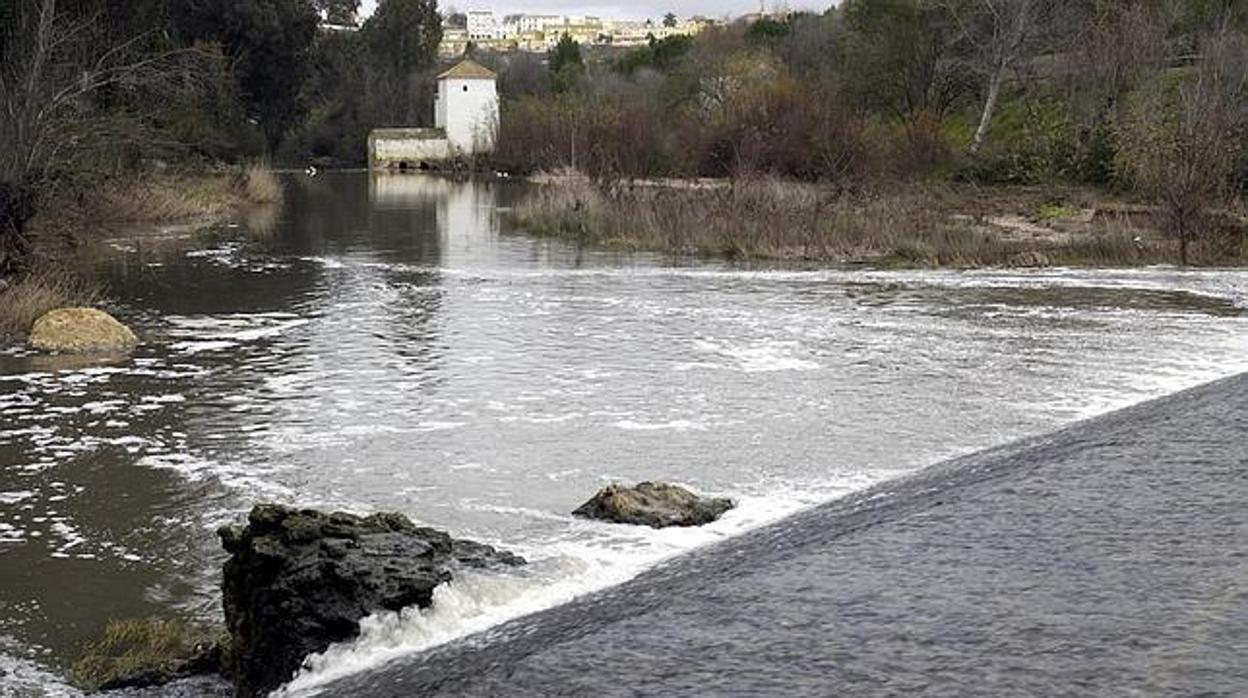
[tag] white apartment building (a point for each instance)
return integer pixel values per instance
(483, 25)
(531, 24)
(539, 32)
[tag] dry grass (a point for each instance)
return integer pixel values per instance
(924, 226)
(201, 197)
(763, 218)
(163, 199)
(29, 297)
(142, 652)
(260, 185)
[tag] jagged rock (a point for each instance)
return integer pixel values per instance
(653, 504)
(81, 330)
(298, 580)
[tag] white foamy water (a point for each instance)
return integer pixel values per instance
(558, 572)
(400, 351)
(27, 679)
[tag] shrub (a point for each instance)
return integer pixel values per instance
(1179, 144)
(1032, 141)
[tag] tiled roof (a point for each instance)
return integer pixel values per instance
(468, 69)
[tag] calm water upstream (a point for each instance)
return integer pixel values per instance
(388, 344)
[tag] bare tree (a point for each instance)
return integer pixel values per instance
(50, 73)
(1178, 141)
(1000, 34)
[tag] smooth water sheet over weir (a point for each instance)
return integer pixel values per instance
(1107, 559)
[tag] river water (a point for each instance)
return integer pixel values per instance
(390, 344)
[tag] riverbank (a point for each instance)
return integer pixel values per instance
(185, 197)
(923, 226)
(191, 198)
(1104, 558)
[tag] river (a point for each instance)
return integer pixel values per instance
(389, 343)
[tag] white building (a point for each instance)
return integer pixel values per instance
(466, 114)
(466, 107)
(484, 25)
(540, 32)
(530, 24)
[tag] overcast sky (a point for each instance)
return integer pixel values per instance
(640, 9)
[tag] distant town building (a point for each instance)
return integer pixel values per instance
(540, 32)
(483, 25)
(529, 24)
(466, 117)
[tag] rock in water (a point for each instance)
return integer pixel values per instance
(81, 330)
(1029, 260)
(653, 504)
(298, 580)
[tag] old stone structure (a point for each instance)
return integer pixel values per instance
(466, 118)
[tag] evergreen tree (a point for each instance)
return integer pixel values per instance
(403, 36)
(271, 42)
(566, 63)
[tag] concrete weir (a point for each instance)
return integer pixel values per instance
(1110, 558)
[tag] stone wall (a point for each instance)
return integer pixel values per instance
(407, 148)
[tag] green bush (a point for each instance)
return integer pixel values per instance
(1031, 141)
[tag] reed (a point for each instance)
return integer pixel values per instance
(908, 226)
(31, 296)
(143, 652)
(260, 185)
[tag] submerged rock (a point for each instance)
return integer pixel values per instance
(298, 580)
(653, 504)
(1030, 260)
(81, 330)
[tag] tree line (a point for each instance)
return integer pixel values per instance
(1146, 96)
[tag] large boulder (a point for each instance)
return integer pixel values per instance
(81, 330)
(297, 581)
(653, 504)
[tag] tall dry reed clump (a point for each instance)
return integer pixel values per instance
(259, 184)
(756, 218)
(160, 199)
(769, 218)
(28, 298)
(167, 197)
